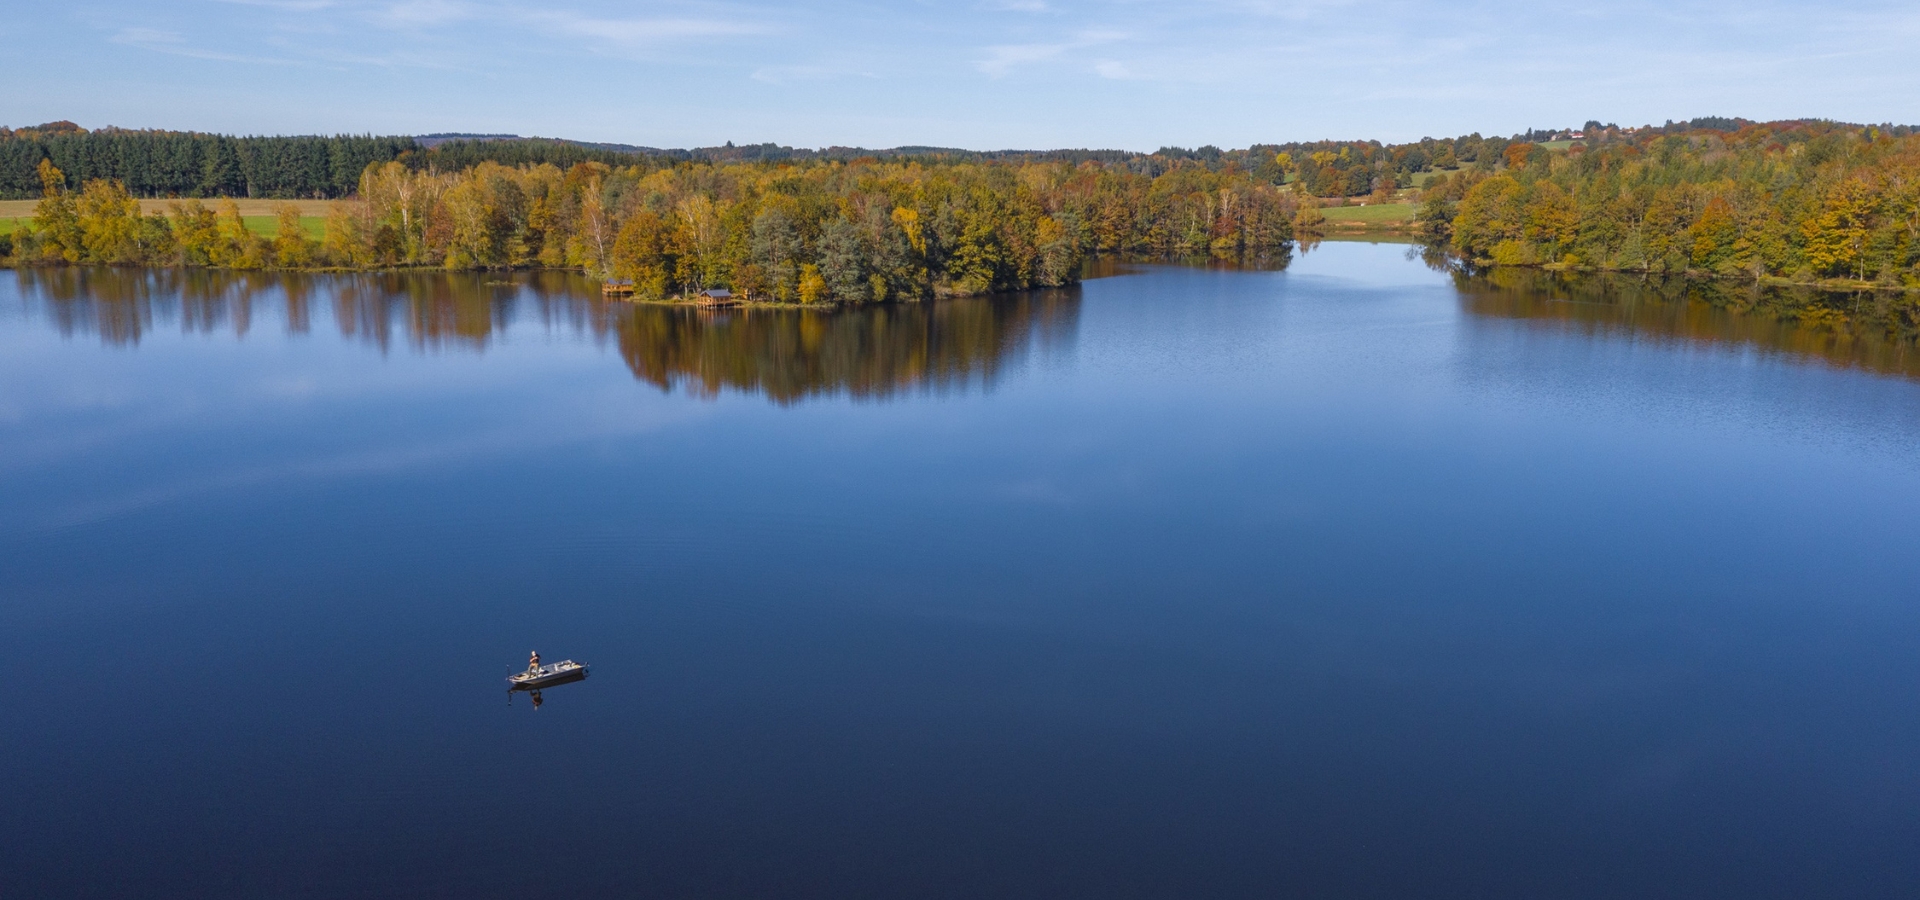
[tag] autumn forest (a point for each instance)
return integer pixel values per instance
(1804, 201)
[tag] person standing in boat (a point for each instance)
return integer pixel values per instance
(533, 663)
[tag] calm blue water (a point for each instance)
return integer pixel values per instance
(1335, 581)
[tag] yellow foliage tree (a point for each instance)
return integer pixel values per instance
(54, 219)
(109, 221)
(646, 251)
(235, 247)
(346, 241)
(291, 247)
(813, 287)
(1836, 235)
(1714, 235)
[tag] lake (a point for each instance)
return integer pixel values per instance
(1346, 577)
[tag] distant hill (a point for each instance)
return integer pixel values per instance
(435, 140)
(161, 163)
(725, 153)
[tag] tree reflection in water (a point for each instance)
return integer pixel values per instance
(122, 306)
(791, 354)
(1870, 330)
(787, 354)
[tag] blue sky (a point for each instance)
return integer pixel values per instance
(982, 74)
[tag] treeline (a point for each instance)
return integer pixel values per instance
(163, 164)
(811, 232)
(462, 151)
(172, 164)
(185, 164)
(1795, 200)
(455, 155)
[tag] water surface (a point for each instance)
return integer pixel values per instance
(1348, 579)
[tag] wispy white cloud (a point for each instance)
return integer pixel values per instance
(638, 32)
(141, 37)
(1004, 58)
(175, 43)
(286, 5)
(395, 59)
(1300, 10)
(344, 39)
(422, 13)
(785, 74)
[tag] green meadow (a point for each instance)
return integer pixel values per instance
(1380, 214)
(314, 226)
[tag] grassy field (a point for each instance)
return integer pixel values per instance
(258, 214)
(1383, 214)
(256, 221)
(1369, 237)
(314, 226)
(1556, 146)
(1420, 179)
(10, 209)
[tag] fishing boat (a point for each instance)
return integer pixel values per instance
(565, 671)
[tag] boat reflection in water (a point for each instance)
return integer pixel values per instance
(787, 354)
(538, 678)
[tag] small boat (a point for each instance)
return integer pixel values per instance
(565, 671)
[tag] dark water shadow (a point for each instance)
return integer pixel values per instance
(1871, 331)
(866, 352)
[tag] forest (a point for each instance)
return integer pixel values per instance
(1802, 201)
(808, 232)
(151, 163)
(164, 164)
(1807, 201)
(187, 164)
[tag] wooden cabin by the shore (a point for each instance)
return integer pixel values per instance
(716, 297)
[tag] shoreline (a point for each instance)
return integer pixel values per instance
(742, 301)
(1823, 284)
